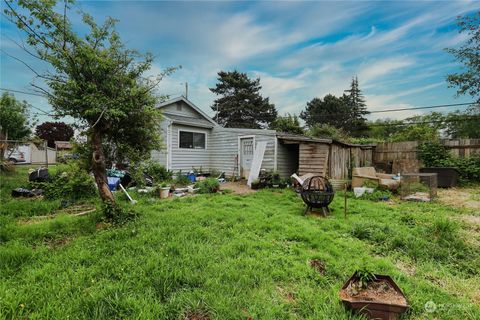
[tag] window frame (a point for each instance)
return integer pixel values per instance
(193, 132)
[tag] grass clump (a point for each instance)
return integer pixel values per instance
(209, 185)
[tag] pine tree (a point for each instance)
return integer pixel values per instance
(357, 108)
(240, 104)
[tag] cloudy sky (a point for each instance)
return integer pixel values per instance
(300, 50)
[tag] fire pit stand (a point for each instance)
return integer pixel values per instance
(317, 192)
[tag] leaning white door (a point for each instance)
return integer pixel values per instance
(246, 156)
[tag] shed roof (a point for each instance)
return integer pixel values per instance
(306, 139)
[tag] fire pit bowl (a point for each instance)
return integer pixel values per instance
(317, 192)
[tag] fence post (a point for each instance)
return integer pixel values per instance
(46, 153)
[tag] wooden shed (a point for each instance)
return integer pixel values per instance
(327, 157)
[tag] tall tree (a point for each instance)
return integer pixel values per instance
(240, 104)
(14, 124)
(357, 108)
(330, 110)
(14, 115)
(288, 123)
(95, 80)
(464, 124)
(54, 131)
(468, 81)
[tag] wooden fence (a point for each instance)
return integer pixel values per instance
(403, 156)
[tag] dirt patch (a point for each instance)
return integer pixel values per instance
(287, 295)
(196, 315)
(406, 268)
(318, 265)
(238, 187)
(468, 198)
(474, 220)
(56, 243)
(379, 291)
(102, 225)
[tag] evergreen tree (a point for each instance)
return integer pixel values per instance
(330, 110)
(357, 109)
(240, 104)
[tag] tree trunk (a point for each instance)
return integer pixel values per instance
(99, 168)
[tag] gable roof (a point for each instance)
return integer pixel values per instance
(210, 122)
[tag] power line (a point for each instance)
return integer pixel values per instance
(428, 107)
(401, 109)
(29, 105)
(466, 118)
(24, 92)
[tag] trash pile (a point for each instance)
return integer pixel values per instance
(39, 175)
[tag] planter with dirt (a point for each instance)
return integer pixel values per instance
(378, 298)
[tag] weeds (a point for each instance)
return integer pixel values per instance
(225, 256)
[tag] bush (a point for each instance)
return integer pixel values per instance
(70, 182)
(181, 179)
(433, 154)
(209, 185)
(436, 155)
(158, 172)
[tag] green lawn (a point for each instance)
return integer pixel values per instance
(227, 256)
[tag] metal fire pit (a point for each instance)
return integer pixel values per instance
(317, 192)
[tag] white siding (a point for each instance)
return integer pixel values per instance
(185, 111)
(224, 148)
(161, 155)
(186, 159)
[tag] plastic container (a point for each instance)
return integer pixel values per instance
(191, 176)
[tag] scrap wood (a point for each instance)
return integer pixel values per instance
(81, 211)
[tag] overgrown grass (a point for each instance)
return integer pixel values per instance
(234, 257)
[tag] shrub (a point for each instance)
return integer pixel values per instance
(70, 182)
(209, 185)
(157, 171)
(181, 179)
(436, 155)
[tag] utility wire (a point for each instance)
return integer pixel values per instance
(24, 92)
(401, 109)
(43, 112)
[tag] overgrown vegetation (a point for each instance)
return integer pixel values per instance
(434, 154)
(69, 182)
(208, 185)
(229, 257)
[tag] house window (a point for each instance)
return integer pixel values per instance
(192, 140)
(179, 107)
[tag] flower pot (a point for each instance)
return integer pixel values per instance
(164, 192)
(388, 307)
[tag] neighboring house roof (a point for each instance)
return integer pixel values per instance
(190, 104)
(63, 145)
(196, 122)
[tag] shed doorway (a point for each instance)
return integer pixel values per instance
(246, 155)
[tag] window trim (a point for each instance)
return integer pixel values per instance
(192, 131)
